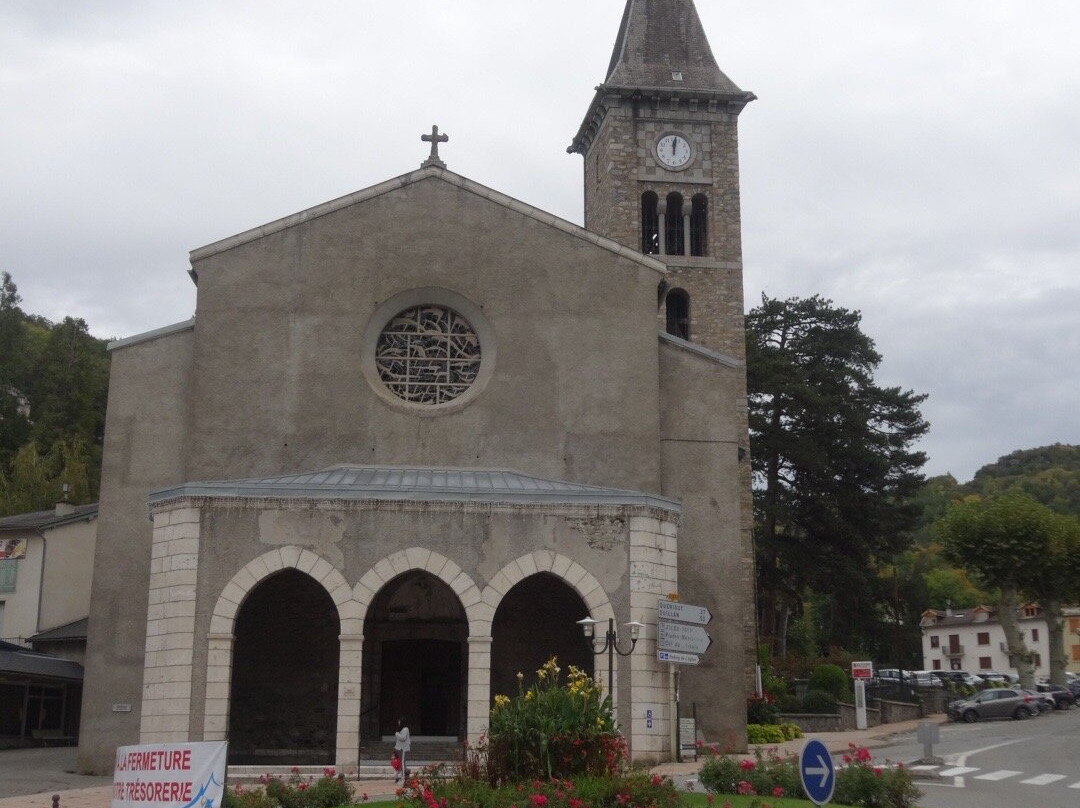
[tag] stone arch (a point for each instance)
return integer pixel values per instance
(221, 638)
(436, 564)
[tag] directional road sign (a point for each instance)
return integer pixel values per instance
(683, 637)
(684, 612)
(681, 659)
(816, 772)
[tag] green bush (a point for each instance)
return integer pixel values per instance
(830, 679)
(328, 791)
(623, 791)
(550, 730)
(791, 732)
(764, 733)
(761, 710)
(818, 701)
(859, 782)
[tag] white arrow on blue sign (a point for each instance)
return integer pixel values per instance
(816, 772)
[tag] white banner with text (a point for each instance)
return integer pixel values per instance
(170, 775)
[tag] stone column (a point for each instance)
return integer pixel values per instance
(218, 684)
(653, 576)
(348, 711)
(170, 627)
(479, 688)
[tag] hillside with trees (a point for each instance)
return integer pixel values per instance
(54, 381)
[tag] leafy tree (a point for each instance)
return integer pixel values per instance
(1022, 548)
(834, 471)
(1048, 474)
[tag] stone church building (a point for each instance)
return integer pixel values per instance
(413, 435)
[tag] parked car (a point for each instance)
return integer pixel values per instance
(959, 678)
(1074, 687)
(924, 679)
(1044, 700)
(1063, 697)
(1002, 702)
(995, 676)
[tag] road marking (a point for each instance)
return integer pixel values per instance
(1075, 785)
(957, 771)
(1044, 779)
(1000, 774)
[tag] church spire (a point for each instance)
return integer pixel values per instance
(662, 45)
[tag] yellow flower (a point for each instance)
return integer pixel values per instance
(529, 696)
(501, 700)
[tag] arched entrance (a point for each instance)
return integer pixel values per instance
(415, 659)
(283, 696)
(535, 621)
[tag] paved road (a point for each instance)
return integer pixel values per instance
(1002, 764)
(30, 771)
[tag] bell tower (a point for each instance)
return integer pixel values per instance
(660, 142)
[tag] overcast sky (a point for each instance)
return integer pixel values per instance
(917, 160)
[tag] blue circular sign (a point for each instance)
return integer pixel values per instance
(816, 772)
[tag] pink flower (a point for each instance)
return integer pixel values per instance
(746, 765)
(778, 791)
(743, 787)
(328, 772)
(539, 800)
(295, 770)
(363, 797)
(302, 786)
(656, 779)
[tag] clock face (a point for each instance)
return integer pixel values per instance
(673, 151)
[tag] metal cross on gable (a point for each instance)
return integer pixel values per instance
(434, 139)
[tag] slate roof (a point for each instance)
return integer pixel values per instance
(658, 37)
(418, 484)
(70, 632)
(25, 663)
(39, 520)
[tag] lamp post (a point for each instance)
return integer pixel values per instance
(611, 643)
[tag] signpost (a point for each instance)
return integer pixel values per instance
(677, 658)
(683, 637)
(861, 672)
(683, 612)
(816, 772)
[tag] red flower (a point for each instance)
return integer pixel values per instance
(877, 771)
(539, 800)
(847, 759)
(328, 772)
(746, 765)
(295, 770)
(363, 797)
(302, 786)
(862, 755)
(778, 791)
(743, 787)
(710, 798)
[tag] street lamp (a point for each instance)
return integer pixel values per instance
(611, 643)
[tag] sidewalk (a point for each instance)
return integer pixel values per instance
(44, 784)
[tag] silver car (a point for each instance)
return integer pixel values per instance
(1003, 702)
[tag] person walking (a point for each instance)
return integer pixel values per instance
(402, 744)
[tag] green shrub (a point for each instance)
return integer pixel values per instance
(761, 710)
(637, 789)
(550, 731)
(328, 791)
(764, 733)
(859, 782)
(791, 732)
(818, 701)
(830, 679)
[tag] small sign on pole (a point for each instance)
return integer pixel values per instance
(862, 670)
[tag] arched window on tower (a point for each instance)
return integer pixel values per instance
(650, 223)
(699, 225)
(675, 237)
(678, 313)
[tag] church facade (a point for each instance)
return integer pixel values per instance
(389, 466)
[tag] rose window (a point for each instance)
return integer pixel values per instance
(428, 355)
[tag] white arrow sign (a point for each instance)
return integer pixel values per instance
(822, 769)
(679, 659)
(684, 612)
(682, 637)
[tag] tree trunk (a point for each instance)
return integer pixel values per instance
(1020, 657)
(1055, 625)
